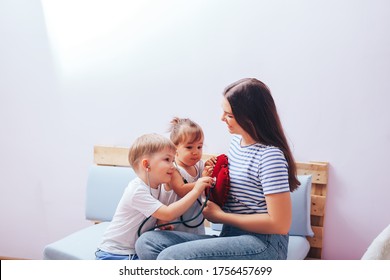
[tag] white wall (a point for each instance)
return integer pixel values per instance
(326, 62)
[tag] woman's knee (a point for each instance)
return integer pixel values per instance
(151, 243)
(146, 247)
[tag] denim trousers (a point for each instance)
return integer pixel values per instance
(102, 255)
(232, 244)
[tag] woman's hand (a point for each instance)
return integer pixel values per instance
(167, 227)
(212, 212)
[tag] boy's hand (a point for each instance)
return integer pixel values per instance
(203, 183)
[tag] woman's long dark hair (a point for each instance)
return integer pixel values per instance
(254, 110)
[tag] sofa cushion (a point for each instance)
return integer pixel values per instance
(105, 187)
(301, 202)
(298, 248)
(80, 245)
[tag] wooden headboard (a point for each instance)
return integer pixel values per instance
(319, 172)
(118, 156)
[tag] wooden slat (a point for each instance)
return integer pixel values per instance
(314, 254)
(316, 240)
(317, 221)
(116, 156)
(317, 205)
(318, 189)
(319, 171)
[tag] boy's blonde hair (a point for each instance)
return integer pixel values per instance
(147, 145)
(185, 131)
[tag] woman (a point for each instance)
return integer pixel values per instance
(257, 214)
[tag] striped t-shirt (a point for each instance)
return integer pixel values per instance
(255, 171)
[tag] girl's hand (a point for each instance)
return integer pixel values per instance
(212, 212)
(211, 161)
(207, 171)
(209, 166)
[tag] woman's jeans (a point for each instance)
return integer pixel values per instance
(232, 244)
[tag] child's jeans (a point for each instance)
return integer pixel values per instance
(102, 255)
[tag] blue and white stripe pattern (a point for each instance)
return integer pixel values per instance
(255, 171)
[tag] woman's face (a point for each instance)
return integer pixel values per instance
(228, 118)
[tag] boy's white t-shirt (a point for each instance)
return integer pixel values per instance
(138, 202)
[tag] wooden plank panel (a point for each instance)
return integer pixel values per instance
(116, 156)
(317, 205)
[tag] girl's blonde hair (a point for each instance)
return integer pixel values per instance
(185, 131)
(147, 145)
